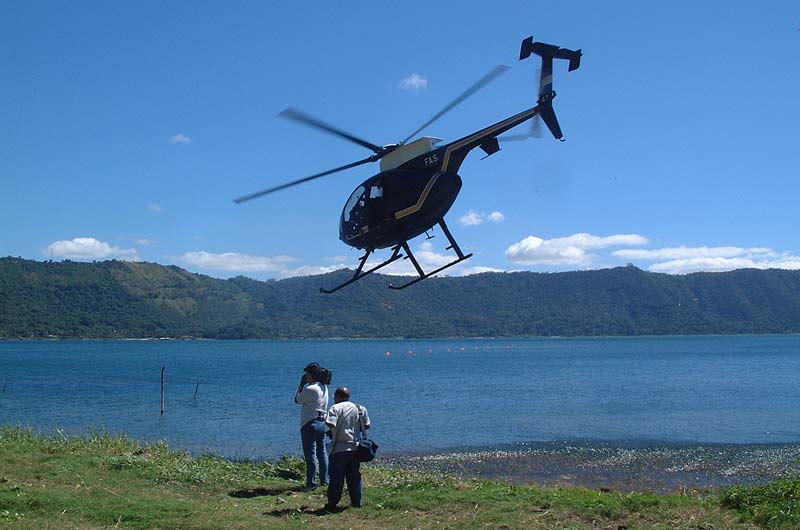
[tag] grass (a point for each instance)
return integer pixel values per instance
(102, 481)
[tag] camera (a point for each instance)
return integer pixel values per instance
(325, 376)
(320, 373)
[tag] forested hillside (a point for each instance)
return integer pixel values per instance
(126, 299)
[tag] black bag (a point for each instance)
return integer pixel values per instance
(366, 448)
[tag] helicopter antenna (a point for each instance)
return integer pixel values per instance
(485, 80)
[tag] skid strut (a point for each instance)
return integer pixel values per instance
(363, 260)
(422, 275)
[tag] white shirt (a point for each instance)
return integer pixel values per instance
(314, 398)
(343, 421)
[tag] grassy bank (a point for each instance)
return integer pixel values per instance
(100, 481)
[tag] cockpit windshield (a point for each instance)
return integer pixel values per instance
(354, 203)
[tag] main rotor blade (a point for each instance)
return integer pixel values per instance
(296, 115)
(488, 78)
(261, 193)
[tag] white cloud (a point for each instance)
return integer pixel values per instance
(570, 250)
(147, 242)
(234, 262)
(479, 269)
(496, 217)
(683, 260)
(89, 248)
(414, 83)
(336, 259)
(310, 270)
(473, 218)
(155, 207)
(684, 252)
(180, 139)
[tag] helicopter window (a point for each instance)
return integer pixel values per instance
(375, 192)
(352, 202)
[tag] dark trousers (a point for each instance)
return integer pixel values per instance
(344, 466)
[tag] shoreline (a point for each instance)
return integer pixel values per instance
(658, 468)
(621, 466)
(320, 339)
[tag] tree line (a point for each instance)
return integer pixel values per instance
(117, 299)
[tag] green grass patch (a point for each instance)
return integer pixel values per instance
(103, 481)
(775, 505)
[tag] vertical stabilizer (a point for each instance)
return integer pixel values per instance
(548, 52)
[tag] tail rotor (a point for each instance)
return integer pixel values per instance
(548, 52)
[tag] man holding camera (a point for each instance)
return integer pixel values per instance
(312, 394)
(346, 420)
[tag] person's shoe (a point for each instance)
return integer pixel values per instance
(330, 508)
(309, 489)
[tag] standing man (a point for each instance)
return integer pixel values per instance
(313, 396)
(346, 420)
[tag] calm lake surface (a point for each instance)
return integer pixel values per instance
(425, 395)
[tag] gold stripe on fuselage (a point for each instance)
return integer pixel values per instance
(422, 197)
(452, 147)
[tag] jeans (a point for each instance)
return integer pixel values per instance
(313, 436)
(345, 466)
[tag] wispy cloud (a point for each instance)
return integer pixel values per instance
(155, 207)
(234, 262)
(474, 218)
(683, 259)
(496, 217)
(471, 218)
(180, 139)
(310, 270)
(89, 248)
(567, 251)
(414, 83)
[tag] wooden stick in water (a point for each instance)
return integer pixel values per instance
(196, 389)
(162, 390)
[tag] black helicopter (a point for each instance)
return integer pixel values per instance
(419, 181)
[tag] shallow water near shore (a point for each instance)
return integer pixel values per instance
(614, 466)
(674, 411)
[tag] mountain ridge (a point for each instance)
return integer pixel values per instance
(120, 299)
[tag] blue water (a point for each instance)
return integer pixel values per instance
(447, 394)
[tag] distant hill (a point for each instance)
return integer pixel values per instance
(125, 299)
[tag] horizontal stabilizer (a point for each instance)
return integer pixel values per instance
(550, 51)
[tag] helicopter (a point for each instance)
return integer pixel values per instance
(418, 180)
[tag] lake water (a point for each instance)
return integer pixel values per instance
(423, 395)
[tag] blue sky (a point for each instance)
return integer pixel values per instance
(128, 128)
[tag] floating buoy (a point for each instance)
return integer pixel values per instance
(410, 352)
(388, 354)
(430, 350)
(449, 349)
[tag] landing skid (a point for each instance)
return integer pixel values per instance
(408, 255)
(423, 274)
(358, 274)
